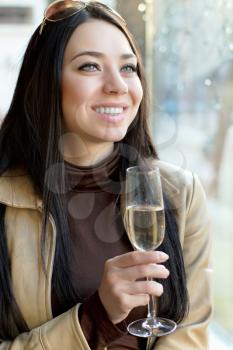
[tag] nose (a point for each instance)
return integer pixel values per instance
(115, 84)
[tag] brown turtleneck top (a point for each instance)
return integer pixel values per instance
(97, 234)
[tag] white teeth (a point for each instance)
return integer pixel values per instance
(109, 110)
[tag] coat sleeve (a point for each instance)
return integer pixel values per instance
(192, 333)
(62, 332)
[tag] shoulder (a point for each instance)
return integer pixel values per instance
(177, 175)
(17, 190)
(182, 186)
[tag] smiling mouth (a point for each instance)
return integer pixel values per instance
(111, 111)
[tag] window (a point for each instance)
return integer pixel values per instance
(193, 121)
(15, 15)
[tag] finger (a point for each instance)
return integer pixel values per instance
(128, 302)
(147, 287)
(140, 271)
(138, 258)
(132, 301)
(143, 287)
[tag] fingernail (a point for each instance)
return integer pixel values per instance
(163, 256)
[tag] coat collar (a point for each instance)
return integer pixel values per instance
(16, 190)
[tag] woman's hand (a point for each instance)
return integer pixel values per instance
(120, 291)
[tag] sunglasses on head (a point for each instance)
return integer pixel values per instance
(62, 9)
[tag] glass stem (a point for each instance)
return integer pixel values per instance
(152, 304)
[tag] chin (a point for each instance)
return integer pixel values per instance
(115, 136)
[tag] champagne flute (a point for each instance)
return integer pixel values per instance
(145, 225)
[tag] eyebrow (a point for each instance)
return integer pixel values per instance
(97, 54)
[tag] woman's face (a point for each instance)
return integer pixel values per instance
(101, 91)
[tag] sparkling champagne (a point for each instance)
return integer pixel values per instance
(145, 226)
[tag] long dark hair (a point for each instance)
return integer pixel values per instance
(29, 138)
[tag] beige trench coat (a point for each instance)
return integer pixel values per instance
(33, 291)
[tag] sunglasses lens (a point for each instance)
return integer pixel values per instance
(60, 9)
(110, 10)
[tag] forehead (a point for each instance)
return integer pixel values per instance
(98, 35)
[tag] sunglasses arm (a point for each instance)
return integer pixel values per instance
(43, 24)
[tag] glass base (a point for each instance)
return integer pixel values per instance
(149, 327)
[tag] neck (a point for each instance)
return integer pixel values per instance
(83, 154)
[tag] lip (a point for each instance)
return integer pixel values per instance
(111, 119)
(111, 104)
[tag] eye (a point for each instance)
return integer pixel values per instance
(89, 67)
(129, 68)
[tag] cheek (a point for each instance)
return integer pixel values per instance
(71, 93)
(71, 98)
(136, 92)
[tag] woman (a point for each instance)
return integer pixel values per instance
(78, 118)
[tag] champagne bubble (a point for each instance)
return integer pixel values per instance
(53, 178)
(81, 206)
(110, 220)
(72, 146)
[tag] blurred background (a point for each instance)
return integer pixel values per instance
(187, 48)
